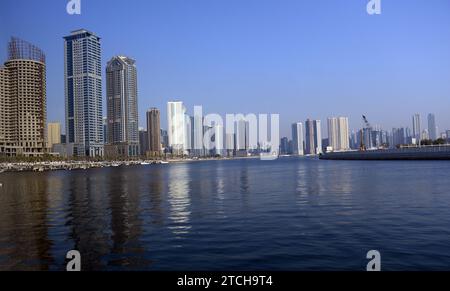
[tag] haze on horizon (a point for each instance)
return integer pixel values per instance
(301, 59)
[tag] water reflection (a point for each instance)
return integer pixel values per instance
(88, 217)
(24, 243)
(179, 199)
(126, 222)
(155, 191)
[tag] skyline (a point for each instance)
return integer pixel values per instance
(197, 63)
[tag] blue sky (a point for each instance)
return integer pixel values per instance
(301, 59)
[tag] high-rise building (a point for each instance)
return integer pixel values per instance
(164, 140)
(338, 133)
(53, 134)
(284, 146)
(23, 101)
(297, 139)
(242, 132)
(176, 121)
(122, 107)
(154, 131)
(398, 137)
(416, 131)
(218, 140)
(313, 137)
(143, 141)
(432, 128)
(83, 90)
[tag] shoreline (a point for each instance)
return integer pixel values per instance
(18, 167)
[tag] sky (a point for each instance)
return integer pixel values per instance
(297, 58)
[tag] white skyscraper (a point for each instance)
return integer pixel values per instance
(218, 140)
(242, 135)
(338, 133)
(432, 128)
(176, 127)
(297, 139)
(416, 127)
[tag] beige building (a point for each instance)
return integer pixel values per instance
(338, 133)
(53, 134)
(23, 101)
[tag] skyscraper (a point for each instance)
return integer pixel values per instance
(53, 134)
(242, 128)
(154, 131)
(143, 141)
(416, 131)
(122, 111)
(176, 121)
(23, 100)
(83, 90)
(313, 140)
(297, 139)
(398, 137)
(432, 128)
(338, 133)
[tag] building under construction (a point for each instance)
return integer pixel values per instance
(23, 101)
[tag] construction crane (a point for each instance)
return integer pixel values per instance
(362, 146)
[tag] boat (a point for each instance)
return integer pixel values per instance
(145, 163)
(163, 162)
(434, 152)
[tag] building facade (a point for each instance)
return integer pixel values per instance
(122, 107)
(297, 139)
(338, 133)
(154, 131)
(416, 129)
(176, 131)
(313, 140)
(23, 101)
(83, 90)
(432, 128)
(53, 134)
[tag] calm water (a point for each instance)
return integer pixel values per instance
(290, 214)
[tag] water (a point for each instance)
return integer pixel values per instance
(289, 214)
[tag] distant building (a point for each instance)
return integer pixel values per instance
(23, 101)
(154, 131)
(398, 137)
(297, 139)
(218, 148)
(230, 144)
(143, 141)
(164, 140)
(284, 146)
(338, 133)
(83, 85)
(416, 129)
(176, 121)
(313, 137)
(53, 134)
(122, 104)
(432, 128)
